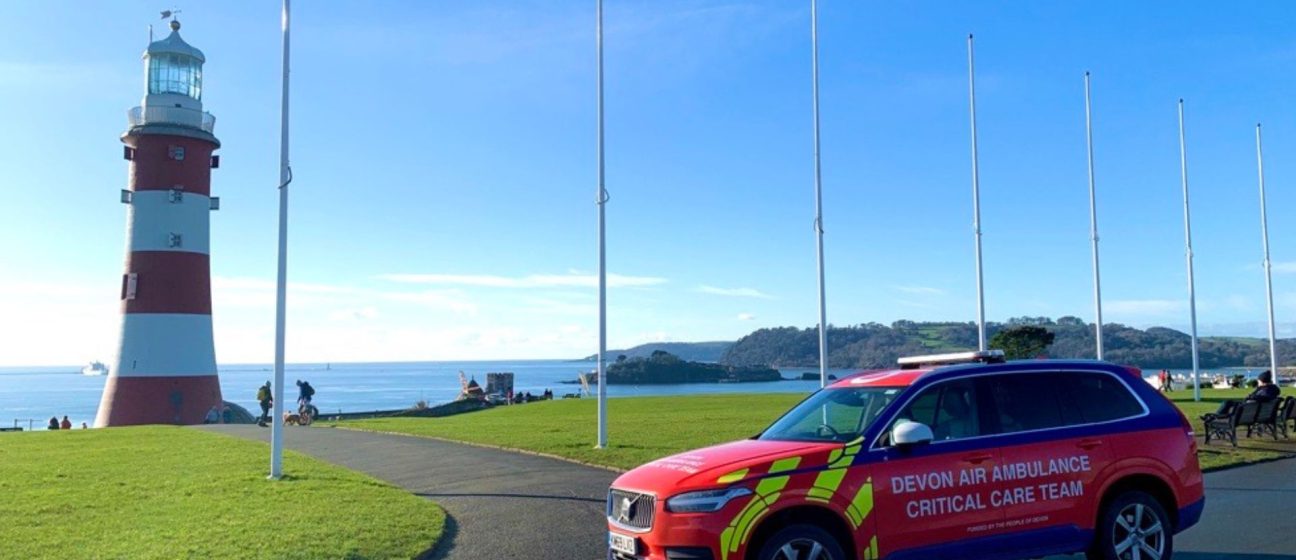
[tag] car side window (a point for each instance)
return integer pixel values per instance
(949, 409)
(1025, 401)
(1102, 397)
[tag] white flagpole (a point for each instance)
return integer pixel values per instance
(602, 250)
(976, 199)
(1093, 225)
(1264, 232)
(1192, 290)
(818, 223)
(281, 291)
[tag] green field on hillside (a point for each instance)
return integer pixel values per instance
(167, 492)
(645, 428)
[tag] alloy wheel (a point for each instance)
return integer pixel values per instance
(803, 549)
(1138, 534)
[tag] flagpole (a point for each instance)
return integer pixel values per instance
(281, 292)
(1192, 290)
(976, 199)
(1264, 232)
(818, 223)
(1093, 224)
(602, 198)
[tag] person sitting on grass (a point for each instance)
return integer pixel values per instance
(66, 424)
(53, 423)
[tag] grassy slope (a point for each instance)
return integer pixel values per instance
(165, 492)
(639, 429)
(643, 429)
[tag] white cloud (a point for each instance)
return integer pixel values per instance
(553, 306)
(61, 76)
(1145, 307)
(259, 293)
(529, 281)
(920, 290)
(451, 300)
(734, 292)
(746, 316)
(363, 313)
(916, 304)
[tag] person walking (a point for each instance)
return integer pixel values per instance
(66, 424)
(266, 400)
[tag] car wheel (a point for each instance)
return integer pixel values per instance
(801, 542)
(1134, 526)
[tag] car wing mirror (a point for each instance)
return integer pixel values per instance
(906, 435)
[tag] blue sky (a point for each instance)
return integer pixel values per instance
(444, 156)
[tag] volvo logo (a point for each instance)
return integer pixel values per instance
(625, 512)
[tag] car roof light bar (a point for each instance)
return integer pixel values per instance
(986, 356)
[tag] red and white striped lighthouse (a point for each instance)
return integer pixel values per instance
(165, 370)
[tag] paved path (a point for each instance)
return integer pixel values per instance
(500, 504)
(513, 505)
(1249, 516)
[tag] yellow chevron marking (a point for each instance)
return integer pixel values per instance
(783, 465)
(732, 477)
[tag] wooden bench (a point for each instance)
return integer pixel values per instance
(1286, 414)
(1225, 424)
(1267, 419)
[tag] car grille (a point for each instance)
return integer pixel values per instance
(631, 510)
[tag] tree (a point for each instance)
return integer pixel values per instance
(1022, 342)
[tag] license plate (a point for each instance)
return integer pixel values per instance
(622, 543)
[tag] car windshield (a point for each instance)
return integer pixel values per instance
(835, 414)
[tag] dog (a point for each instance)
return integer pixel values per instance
(292, 418)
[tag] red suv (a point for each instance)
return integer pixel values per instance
(983, 460)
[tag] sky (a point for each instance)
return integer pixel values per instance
(444, 159)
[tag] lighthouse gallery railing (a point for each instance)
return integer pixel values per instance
(140, 116)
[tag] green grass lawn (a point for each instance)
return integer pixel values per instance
(639, 429)
(166, 492)
(1222, 454)
(646, 428)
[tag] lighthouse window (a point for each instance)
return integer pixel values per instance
(171, 73)
(130, 283)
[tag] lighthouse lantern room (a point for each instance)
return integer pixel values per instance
(165, 369)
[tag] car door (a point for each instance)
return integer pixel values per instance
(931, 495)
(1051, 458)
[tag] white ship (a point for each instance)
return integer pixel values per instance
(95, 368)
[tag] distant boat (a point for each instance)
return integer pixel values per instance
(95, 368)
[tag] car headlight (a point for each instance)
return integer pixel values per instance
(705, 500)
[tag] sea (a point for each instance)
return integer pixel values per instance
(31, 395)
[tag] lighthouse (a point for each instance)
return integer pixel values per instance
(165, 369)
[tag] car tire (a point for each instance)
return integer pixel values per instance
(1133, 519)
(801, 542)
